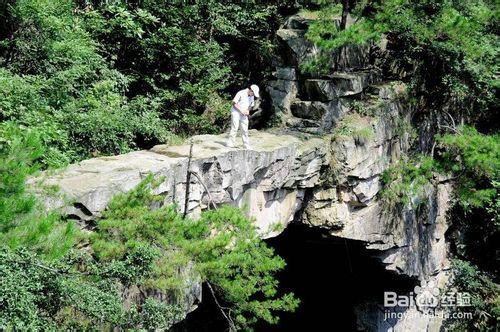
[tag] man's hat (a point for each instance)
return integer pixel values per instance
(255, 90)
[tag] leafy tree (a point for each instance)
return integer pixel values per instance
(186, 56)
(473, 159)
(223, 245)
(106, 77)
(55, 80)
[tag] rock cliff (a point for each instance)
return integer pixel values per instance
(322, 168)
(368, 120)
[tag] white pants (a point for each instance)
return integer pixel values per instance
(239, 120)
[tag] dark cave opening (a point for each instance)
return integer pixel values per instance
(330, 275)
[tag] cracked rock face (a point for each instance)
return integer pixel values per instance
(300, 50)
(339, 85)
(410, 241)
(331, 180)
(268, 181)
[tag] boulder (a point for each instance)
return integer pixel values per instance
(286, 73)
(309, 109)
(282, 93)
(299, 50)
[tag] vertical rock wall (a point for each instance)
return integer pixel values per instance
(367, 120)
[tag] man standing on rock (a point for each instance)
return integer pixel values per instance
(240, 111)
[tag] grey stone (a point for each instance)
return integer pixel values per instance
(276, 162)
(309, 109)
(408, 241)
(325, 114)
(300, 50)
(301, 21)
(339, 85)
(286, 73)
(366, 190)
(282, 94)
(415, 318)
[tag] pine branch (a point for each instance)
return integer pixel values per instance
(232, 326)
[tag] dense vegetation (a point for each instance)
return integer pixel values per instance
(47, 283)
(24, 223)
(88, 78)
(104, 77)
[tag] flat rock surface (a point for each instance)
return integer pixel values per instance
(268, 179)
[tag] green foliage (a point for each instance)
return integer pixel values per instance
(23, 222)
(458, 39)
(186, 55)
(33, 295)
(473, 159)
(222, 245)
(156, 314)
(318, 65)
(326, 34)
(70, 95)
(356, 126)
(476, 159)
(405, 181)
(39, 295)
(43, 285)
(485, 298)
(106, 77)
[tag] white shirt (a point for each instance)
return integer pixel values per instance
(243, 100)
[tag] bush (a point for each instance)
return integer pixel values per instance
(38, 295)
(485, 298)
(458, 39)
(404, 182)
(475, 157)
(71, 97)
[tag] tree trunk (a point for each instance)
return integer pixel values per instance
(345, 12)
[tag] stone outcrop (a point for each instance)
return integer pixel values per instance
(313, 102)
(409, 241)
(269, 180)
(338, 85)
(299, 50)
(283, 92)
